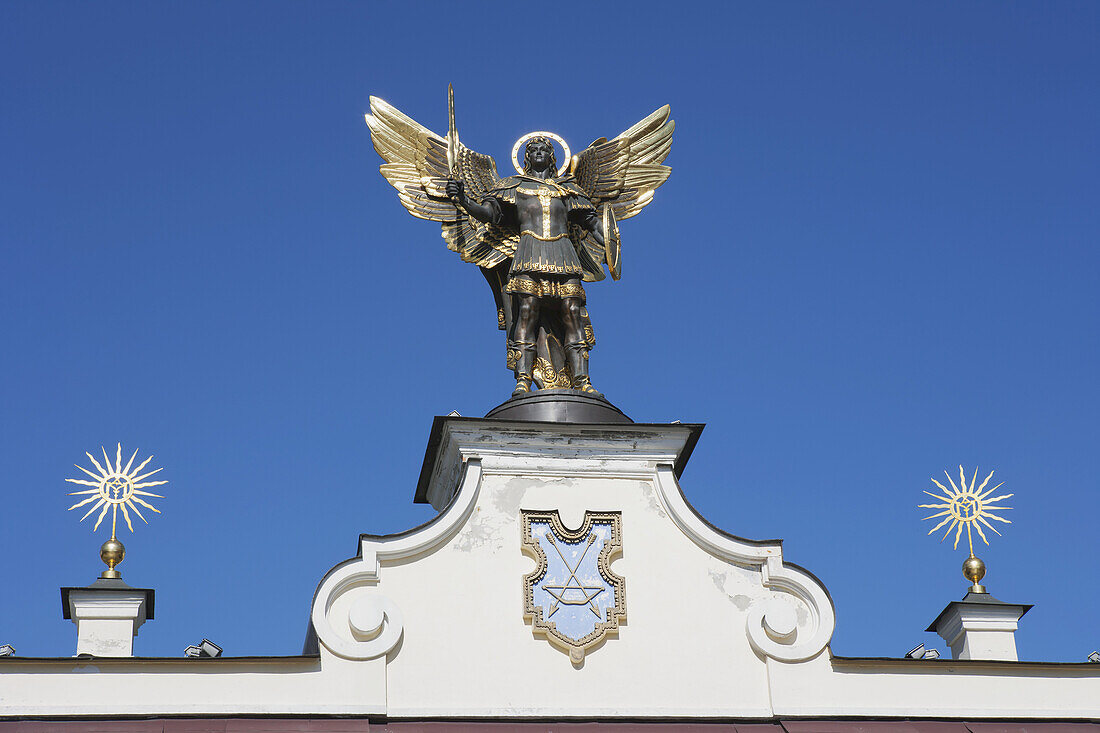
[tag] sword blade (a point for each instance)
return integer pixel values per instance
(452, 132)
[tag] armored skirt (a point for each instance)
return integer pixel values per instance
(547, 268)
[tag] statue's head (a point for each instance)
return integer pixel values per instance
(539, 155)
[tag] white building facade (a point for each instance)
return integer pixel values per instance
(564, 584)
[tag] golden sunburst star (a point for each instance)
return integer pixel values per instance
(115, 487)
(967, 507)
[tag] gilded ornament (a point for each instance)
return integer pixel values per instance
(970, 508)
(546, 289)
(545, 375)
(115, 488)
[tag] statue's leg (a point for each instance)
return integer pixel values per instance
(527, 319)
(576, 347)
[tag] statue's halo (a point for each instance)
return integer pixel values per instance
(542, 133)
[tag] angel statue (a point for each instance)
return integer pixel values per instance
(535, 235)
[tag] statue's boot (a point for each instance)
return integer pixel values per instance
(525, 368)
(577, 353)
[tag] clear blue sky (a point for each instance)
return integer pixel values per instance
(876, 258)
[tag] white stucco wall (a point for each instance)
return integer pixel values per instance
(106, 687)
(934, 688)
(464, 611)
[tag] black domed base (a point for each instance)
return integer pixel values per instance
(559, 405)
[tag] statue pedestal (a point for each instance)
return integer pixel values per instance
(559, 405)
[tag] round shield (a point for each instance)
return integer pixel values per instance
(611, 244)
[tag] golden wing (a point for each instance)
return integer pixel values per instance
(623, 173)
(416, 165)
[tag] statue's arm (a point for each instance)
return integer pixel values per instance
(490, 211)
(588, 219)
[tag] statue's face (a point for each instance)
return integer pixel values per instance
(539, 155)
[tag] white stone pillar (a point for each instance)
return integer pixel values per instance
(980, 627)
(107, 615)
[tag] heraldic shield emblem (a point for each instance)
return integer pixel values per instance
(572, 596)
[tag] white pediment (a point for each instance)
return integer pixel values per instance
(445, 602)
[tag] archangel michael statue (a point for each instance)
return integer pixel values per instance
(536, 235)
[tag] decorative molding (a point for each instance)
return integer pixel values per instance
(372, 624)
(569, 449)
(771, 624)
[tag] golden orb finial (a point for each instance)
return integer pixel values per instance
(114, 488)
(974, 571)
(112, 552)
(970, 508)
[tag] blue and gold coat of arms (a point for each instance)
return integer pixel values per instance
(572, 596)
